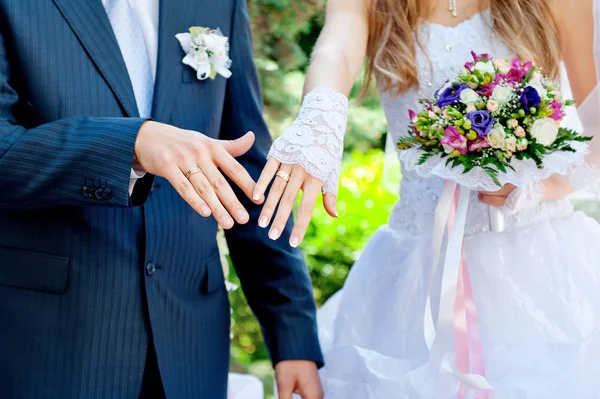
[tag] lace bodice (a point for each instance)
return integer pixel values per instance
(447, 49)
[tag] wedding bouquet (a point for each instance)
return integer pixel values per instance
(494, 112)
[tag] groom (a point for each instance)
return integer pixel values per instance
(110, 281)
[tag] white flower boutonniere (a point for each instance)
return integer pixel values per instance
(207, 51)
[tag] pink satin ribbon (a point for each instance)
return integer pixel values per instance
(467, 339)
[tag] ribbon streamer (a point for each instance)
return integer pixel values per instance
(457, 324)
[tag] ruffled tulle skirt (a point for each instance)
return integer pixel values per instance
(537, 292)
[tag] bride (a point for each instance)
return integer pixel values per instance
(536, 284)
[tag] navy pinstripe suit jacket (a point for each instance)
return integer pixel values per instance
(88, 273)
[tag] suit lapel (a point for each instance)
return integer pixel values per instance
(90, 23)
(175, 17)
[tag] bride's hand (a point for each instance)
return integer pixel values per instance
(528, 196)
(288, 180)
(497, 198)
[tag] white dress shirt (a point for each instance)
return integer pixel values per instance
(147, 14)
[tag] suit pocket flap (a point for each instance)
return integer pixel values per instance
(214, 278)
(34, 271)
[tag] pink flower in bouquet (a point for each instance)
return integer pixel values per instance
(476, 58)
(518, 71)
(488, 89)
(558, 113)
(480, 57)
(453, 139)
(481, 142)
(412, 115)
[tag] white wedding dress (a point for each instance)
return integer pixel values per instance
(536, 285)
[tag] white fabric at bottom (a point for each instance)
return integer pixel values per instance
(537, 296)
(244, 387)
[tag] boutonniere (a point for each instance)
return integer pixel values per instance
(207, 51)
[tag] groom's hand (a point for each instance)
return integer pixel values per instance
(298, 377)
(167, 151)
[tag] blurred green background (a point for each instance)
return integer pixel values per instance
(285, 32)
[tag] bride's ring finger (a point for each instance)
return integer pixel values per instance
(286, 205)
(279, 185)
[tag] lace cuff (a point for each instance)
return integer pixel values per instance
(315, 140)
(525, 197)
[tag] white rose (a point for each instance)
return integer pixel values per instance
(512, 123)
(469, 96)
(522, 144)
(536, 83)
(544, 131)
(503, 65)
(492, 106)
(432, 115)
(510, 144)
(471, 108)
(496, 137)
(485, 67)
(502, 94)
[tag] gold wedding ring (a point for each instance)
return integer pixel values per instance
(284, 175)
(191, 172)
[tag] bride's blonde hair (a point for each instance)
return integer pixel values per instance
(527, 26)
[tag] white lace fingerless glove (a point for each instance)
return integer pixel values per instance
(526, 197)
(315, 140)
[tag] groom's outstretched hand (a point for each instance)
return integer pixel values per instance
(299, 377)
(170, 152)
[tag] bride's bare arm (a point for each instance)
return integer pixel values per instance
(340, 51)
(308, 155)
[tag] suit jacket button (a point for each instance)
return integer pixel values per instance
(85, 191)
(92, 192)
(107, 194)
(99, 194)
(150, 269)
